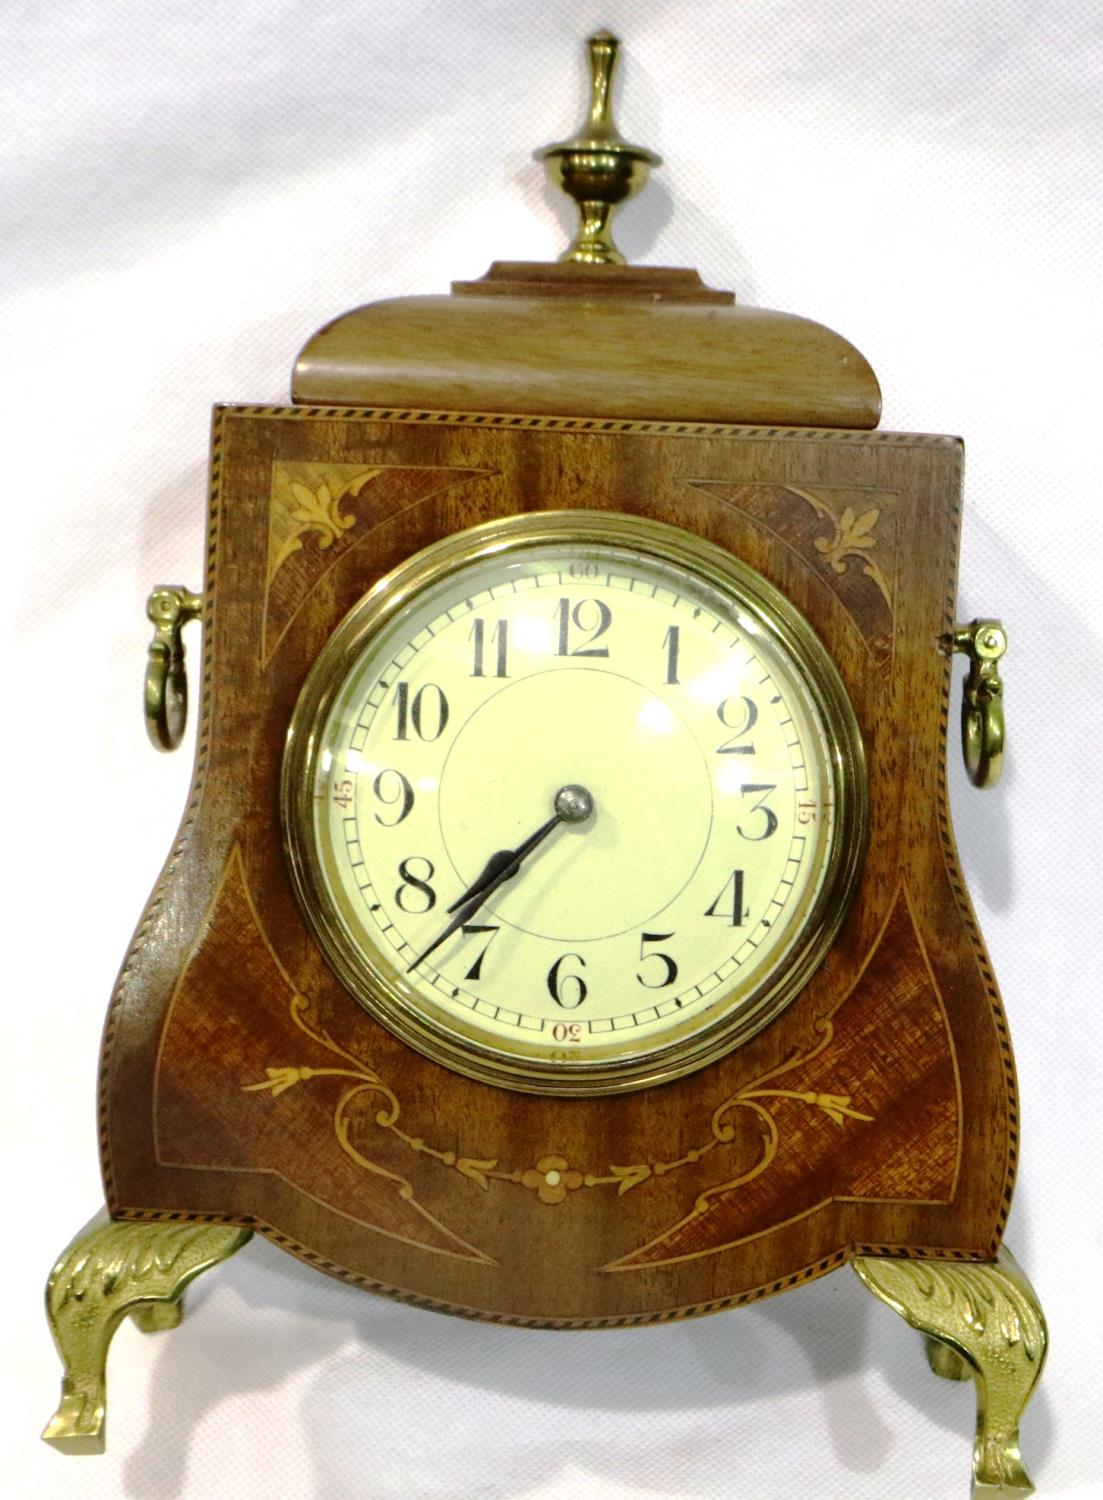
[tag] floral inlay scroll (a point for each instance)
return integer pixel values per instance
(310, 509)
(853, 537)
(316, 511)
(552, 1177)
(847, 536)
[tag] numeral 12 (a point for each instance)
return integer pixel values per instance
(585, 611)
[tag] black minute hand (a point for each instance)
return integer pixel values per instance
(573, 804)
(504, 864)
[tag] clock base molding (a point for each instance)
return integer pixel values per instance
(981, 1321)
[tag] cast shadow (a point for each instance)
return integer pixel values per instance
(981, 818)
(265, 1318)
(1042, 730)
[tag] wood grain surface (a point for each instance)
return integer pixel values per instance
(240, 1082)
(638, 341)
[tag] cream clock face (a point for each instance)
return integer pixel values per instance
(574, 802)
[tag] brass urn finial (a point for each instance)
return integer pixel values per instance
(598, 168)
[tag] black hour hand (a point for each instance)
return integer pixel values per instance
(491, 870)
(573, 804)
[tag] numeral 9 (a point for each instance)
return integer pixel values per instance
(400, 795)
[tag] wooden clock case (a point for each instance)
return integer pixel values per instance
(243, 1089)
(241, 1081)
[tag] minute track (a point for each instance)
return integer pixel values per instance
(559, 942)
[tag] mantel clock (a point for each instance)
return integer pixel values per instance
(565, 928)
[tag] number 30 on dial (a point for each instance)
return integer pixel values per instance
(574, 801)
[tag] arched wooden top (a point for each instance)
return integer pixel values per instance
(615, 341)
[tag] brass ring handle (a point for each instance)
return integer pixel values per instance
(169, 607)
(982, 719)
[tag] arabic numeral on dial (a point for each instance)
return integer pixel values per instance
(499, 637)
(470, 929)
(728, 905)
(768, 825)
(426, 711)
(670, 641)
(393, 790)
(567, 990)
(740, 714)
(592, 616)
(671, 975)
(416, 881)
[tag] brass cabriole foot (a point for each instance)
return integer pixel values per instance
(112, 1268)
(979, 1320)
(943, 1361)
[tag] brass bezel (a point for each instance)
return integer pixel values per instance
(378, 987)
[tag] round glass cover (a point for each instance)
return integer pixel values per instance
(574, 802)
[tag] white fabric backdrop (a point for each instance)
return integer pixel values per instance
(191, 190)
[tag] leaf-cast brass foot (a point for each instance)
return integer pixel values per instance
(944, 1362)
(981, 1320)
(110, 1269)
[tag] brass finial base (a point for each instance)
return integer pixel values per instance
(598, 168)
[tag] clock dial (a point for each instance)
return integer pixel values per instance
(574, 801)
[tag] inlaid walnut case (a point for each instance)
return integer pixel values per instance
(240, 1078)
(243, 1088)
